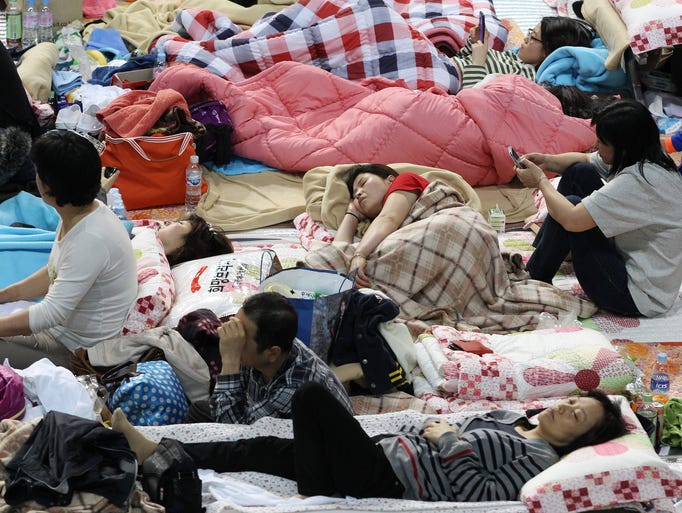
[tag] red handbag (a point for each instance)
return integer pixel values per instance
(152, 167)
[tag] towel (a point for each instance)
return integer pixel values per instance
(65, 81)
(22, 252)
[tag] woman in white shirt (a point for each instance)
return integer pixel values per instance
(625, 236)
(90, 280)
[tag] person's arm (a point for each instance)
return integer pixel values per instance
(230, 404)
(31, 287)
(478, 476)
(349, 225)
(392, 215)
(15, 324)
(574, 218)
(556, 163)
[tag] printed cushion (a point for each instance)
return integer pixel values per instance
(623, 470)
(542, 363)
(155, 288)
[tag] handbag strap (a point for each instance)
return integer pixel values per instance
(275, 265)
(186, 138)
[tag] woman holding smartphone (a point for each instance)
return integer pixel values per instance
(624, 236)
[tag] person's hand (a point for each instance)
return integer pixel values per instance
(479, 53)
(354, 209)
(108, 182)
(434, 430)
(539, 159)
(473, 34)
(232, 342)
(359, 262)
(532, 175)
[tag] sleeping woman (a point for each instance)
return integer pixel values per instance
(476, 60)
(437, 258)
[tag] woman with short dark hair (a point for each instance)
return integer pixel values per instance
(90, 280)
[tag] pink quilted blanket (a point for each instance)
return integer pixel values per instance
(285, 124)
(353, 39)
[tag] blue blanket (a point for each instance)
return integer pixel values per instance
(582, 67)
(28, 209)
(22, 252)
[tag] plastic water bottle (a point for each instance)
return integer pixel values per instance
(45, 23)
(29, 21)
(192, 184)
(660, 379)
(160, 64)
(115, 202)
(649, 410)
(13, 25)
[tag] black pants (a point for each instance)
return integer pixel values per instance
(330, 454)
(598, 266)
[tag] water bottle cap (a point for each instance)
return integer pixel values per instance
(662, 357)
(194, 159)
(30, 3)
(45, 3)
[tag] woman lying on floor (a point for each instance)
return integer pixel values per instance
(625, 236)
(437, 258)
(476, 60)
(487, 457)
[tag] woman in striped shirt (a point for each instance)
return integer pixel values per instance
(486, 458)
(476, 60)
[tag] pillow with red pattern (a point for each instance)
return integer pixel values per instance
(623, 470)
(155, 288)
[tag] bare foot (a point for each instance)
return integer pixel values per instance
(140, 445)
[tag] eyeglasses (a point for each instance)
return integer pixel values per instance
(531, 35)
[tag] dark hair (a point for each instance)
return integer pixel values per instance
(578, 103)
(611, 426)
(628, 126)
(275, 319)
(380, 170)
(203, 240)
(69, 165)
(558, 31)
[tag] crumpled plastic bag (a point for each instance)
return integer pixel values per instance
(672, 423)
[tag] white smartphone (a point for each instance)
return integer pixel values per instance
(515, 157)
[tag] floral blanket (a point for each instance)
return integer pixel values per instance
(444, 266)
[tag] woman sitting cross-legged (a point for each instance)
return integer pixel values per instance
(436, 257)
(625, 237)
(487, 457)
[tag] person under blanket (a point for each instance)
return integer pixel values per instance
(90, 280)
(476, 60)
(437, 258)
(263, 364)
(378, 193)
(625, 236)
(487, 457)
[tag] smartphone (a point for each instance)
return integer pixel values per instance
(515, 157)
(481, 27)
(108, 171)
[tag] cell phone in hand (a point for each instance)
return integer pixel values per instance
(109, 171)
(515, 157)
(481, 27)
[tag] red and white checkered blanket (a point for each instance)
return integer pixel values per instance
(359, 39)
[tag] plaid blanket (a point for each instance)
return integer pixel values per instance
(444, 266)
(354, 40)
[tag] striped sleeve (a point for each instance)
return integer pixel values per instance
(501, 63)
(491, 465)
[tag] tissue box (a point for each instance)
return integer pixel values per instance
(136, 79)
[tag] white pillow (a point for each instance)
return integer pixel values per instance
(155, 288)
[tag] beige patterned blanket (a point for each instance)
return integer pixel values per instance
(444, 266)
